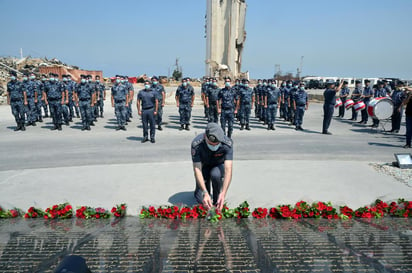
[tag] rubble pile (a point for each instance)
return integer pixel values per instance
(25, 65)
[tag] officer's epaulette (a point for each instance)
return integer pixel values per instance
(197, 142)
(228, 141)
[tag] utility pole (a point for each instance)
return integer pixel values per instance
(21, 53)
(300, 68)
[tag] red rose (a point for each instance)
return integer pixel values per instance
(113, 209)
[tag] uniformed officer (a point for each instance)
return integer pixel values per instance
(291, 103)
(262, 95)
(44, 82)
(256, 90)
(72, 105)
(147, 105)
(16, 99)
(30, 91)
(301, 104)
(130, 91)
(212, 96)
(343, 95)
(378, 92)
(397, 96)
(185, 96)
(227, 107)
(119, 98)
(285, 99)
(272, 103)
(212, 157)
(407, 103)
(329, 97)
(356, 96)
(366, 96)
(282, 106)
(203, 92)
(387, 87)
(246, 99)
(92, 86)
(54, 97)
(65, 107)
(100, 96)
(161, 97)
(84, 99)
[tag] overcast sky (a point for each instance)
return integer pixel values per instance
(368, 38)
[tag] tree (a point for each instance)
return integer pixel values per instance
(177, 75)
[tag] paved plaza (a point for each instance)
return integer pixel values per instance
(105, 167)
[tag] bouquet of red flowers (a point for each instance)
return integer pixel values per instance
(33, 212)
(85, 212)
(119, 210)
(11, 213)
(62, 211)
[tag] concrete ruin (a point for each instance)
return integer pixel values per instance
(225, 37)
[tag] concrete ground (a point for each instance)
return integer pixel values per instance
(105, 167)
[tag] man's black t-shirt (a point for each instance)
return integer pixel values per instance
(201, 153)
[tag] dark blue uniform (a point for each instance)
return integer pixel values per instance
(148, 98)
(227, 98)
(212, 94)
(286, 102)
(130, 91)
(119, 95)
(54, 98)
(301, 100)
(205, 86)
(272, 98)
(292, 92)
(397, 98)
(245, 97)
(212, 164)
(85, 95)
(39, 89)
(343, 94)
(356, 96)
(15, 94)
(73, 86)
(256, 91)
(101, 95)
(159, 91)
(65, 107)
(30, 88)
(328, 107)
(367, 91)
(184, 94)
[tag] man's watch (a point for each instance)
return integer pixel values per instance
(204, 192)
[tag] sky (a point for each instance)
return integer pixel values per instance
(347, 38)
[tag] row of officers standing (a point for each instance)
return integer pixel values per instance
(62, 99)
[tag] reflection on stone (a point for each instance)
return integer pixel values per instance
(156, 245)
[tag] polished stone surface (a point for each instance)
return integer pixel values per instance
(135, 245)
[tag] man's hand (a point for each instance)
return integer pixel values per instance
(155, 113)
(207, 201)
(220, 201)
(139, 112)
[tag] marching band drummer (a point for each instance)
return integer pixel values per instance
(408, 114)
(343, 95)
(356, 96)
(378, 92)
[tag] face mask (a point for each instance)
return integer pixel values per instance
(64, 79)
(24, 78)
(154, 83)
(302, 88)
(185, 84)
(227, 84)
(264, 84)
(215, 84)
(97, 80)
(207, 82)
(51, 79)
(44, 79)
(213, 148)
(273, 85)
(290, 85)
(246, 85)
(83, 80)
(32, 77)
(13, 78)
(117, 81)
(283, 84)
(147, 86)
(259, 83)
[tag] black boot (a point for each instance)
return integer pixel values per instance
(242, 127)
(247, 127)
(59, 127)
(229, 134)
(181, 127)
(187, 127)
(22, 127)
(18, 127)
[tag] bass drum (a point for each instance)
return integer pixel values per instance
(380, 108)
(349, 103)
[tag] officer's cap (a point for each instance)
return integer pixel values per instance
(184, 80)
(214, 79)
(155, 78)
(228, 78)
(264, 80)
(13, 73)
(302, 83)
(245, 81)
(214, 132)
(329, 82)
(384, 81)
(367, 81)
(358, 81)
(345, 82)
(400, 83)
(380, 82)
